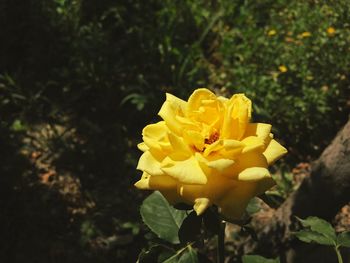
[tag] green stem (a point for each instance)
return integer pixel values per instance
(340, 259)
(221, 242)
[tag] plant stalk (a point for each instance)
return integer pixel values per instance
(340, 259)
(221, 242)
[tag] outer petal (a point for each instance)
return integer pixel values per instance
(181, 104)
(171, 108)
(142, 147)
(234, 203)
(155, 137)
(200, 205)
(274, 151)
(220, 164)
(254, 174)
(261, 130)
(216, 187)
(253, 143)
(156, 131)
(188, 171)
(244, 161)
(162, 182)
(149, 164)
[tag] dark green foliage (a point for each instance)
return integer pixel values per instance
(321, 232)
(162, 218)
(94, 73)
(258, 259)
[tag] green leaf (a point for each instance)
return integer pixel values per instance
(161, 218)
(184, 255)
(164, 255)
(309, 236)
(320, 226)
(172, 259)
(258, 259)
(153, 254)
(344, 239)
(18, 126)
(189, 256)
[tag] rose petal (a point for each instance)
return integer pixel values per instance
(179, 145)
(253, 174)
(244, 161)
(274, 151)
(234, 203)
(220, 164)
(196, 99)
(216, 186)
(142, 147)
(261, 130)
(237, 115)
(150, 164)
(253, 143)
(155, 131)
(188, 171)
(155, 136)
(200, 205)
(172, 107)
(181, 104)
(195, 139)
(216, 146)
(161, 182)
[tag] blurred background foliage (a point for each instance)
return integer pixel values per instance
(79, 80)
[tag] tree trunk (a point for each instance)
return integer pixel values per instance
(328, 188)
(322, 194)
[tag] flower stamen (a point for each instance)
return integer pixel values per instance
(212, 138)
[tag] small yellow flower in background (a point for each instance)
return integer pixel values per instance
(283, 68)
(330, 31)
(305, 34)
(206, 152)
(271, 32)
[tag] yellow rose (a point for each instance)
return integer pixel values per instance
(206, 152)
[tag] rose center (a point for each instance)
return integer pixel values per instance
(212, 138)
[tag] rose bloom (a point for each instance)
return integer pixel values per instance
(206, 152)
